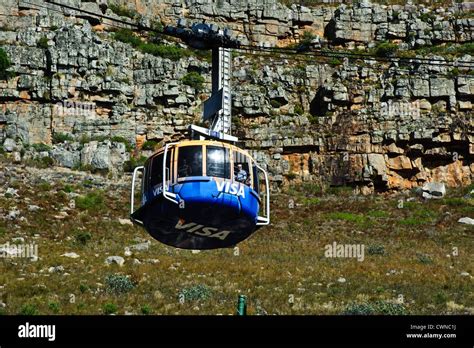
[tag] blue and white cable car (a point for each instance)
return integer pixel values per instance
(202, 194)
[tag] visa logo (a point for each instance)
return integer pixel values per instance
(202, 230)
(231, 188)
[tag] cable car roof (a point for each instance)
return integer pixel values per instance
(207, 142)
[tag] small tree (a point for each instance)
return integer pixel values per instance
(194, 80)
(5, 63)
(307, 38)
(386, 49)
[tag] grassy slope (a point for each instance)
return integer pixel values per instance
(282, 268)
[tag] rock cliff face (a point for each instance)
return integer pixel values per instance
(92, 101)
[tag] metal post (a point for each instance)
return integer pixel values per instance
(242, 305)
(221, 70)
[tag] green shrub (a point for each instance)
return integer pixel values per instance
(83, 288)
(311, 201)
(110, 308)
(306, 189)
(28, 309)
(313, 119)
(129, 166)
(123, 11)
(165, 51)
(43, 162)
(61, 138)
(46, 162)
(194, 80)
(157, 28)
(145, 310)
(340, 215)
(427, 17)
(423, 258)
(411, 221)
(299, 71)
(455, 202)
(195, 293)
(386, 49)
(307, 37)
(378, 307)
(453, 72)
(127, 36)
(118, 284)
(43, 42)
(378, 213)
(359, 309)
(275, 103)
(5, 63)
(340, 190)
(440, 297)
(86, 139)
(335, 62)
(83, 237)
(205, 55)
(466, 48)
(447, 50)
(91, 201)
(420, 214)
(41, 147)
(119, 139)
(149, 145)
(68, 188)
(390, 308)
(44, 186)
(376, 249)
(54, 307)
(299, 109)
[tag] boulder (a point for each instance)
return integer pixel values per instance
(466, 220)
(119, 260)
(433, 190)
(66, 158)
(71, 255)
(9, 145)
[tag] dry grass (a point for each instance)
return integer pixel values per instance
(282, 268)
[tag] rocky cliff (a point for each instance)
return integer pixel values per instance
(82, 99)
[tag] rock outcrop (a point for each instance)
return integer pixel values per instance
(91, 101)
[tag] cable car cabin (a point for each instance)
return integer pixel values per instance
(201, 194)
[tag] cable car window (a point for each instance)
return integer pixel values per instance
(190, 161)
(218, 162)
(255, 179)
(241, 168)
(156, 176)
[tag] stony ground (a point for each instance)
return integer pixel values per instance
(418, 257)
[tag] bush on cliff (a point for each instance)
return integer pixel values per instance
(5, 63)
(194, 80)
(386, 49)
(160, 50)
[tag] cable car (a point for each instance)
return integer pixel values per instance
(201, 194)
(204, 193)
